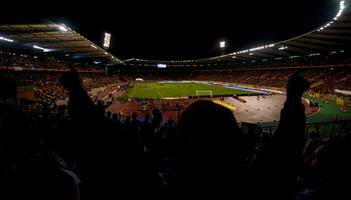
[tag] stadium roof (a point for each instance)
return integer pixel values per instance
(334, 36)
(55, 39)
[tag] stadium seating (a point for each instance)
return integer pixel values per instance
(11, 60)
(51, 149)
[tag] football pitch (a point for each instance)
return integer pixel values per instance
(156, 90)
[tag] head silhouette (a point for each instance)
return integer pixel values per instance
(114, 116)
(134, 116)
(109, 114)
(208, 143)
(156, 117)
(147, 117)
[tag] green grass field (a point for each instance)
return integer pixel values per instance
(154, 90)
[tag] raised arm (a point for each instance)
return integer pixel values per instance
(290, 135)
(282, 160)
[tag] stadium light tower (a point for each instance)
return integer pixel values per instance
(106, 45)
(107, 40)
(222, 44)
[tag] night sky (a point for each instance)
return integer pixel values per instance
(178, 29)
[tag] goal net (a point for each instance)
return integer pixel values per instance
(204, 93)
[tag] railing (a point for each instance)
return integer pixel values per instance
(324, 129)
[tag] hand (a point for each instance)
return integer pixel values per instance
(297, 85)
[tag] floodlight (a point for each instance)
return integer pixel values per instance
(5, 39)
(222, 44)
(107, 40)
(62, 28)
(41, 48)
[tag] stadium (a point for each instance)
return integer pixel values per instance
(73, 113)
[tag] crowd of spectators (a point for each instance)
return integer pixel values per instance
(97, 81)
(13, 59)
(10, 60)
(328, 79)
(317, 59)
(47, 88)
(323, 80)
(79, 151)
